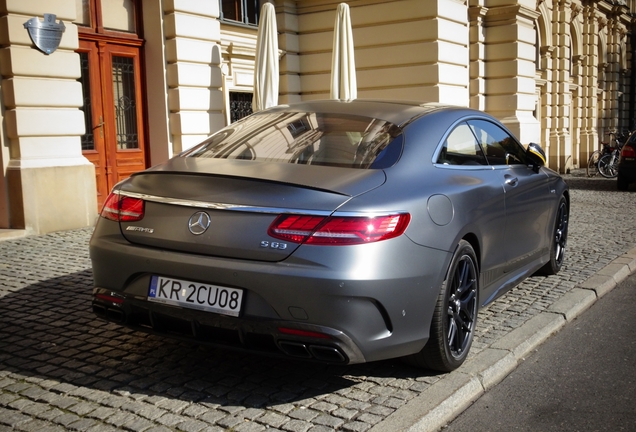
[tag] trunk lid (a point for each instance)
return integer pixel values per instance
(241, 199)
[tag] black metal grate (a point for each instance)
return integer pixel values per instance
(125, 103)
(88, 139)
(240, 105)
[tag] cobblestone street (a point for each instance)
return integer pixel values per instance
(61, 368)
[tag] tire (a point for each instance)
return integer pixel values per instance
(592, 164)
(455, 316)
(621, 183)
(608, 165)
(559, 240)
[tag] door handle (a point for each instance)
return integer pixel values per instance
(512, 181)
(100, 126)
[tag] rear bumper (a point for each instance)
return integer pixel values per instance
(627, 170)
(233, 333)
(351, 306)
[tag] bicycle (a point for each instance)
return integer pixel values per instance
(605, 160)
(592, 164)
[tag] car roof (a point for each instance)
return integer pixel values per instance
(396, 112)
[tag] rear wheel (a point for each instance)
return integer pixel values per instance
(455, 316)
(559, 240)
(621, 183)
(608, 165)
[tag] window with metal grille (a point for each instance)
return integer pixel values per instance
(88, 139)
(240, 105)
(243, 11)
(125, 103)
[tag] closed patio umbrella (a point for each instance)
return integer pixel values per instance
(343, 65)
(266, 67)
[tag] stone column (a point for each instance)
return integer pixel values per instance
(510, 57)
(612, 74)
(560, 138)
(287, 23)
(589, 83)
(576, 110)
(545, 89)
(49, 185)
(159, 138)
(4, 162)
(449, 78)
(195, 96)
(603, 120)
(476, 15)
(616, 32)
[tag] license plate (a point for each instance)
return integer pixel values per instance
(195, 295)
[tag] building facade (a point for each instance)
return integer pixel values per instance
(132, 83)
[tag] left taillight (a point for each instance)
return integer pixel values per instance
(338, 230)
(628, 152)
(121, 208)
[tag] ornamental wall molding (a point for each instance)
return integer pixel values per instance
(546, 51)
(477, 13)
(510, 13)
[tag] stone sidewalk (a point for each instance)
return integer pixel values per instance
(63, 369)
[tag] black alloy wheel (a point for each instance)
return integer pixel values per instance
(455, 316)
(462, 306)
(559, 240)
(561, 233)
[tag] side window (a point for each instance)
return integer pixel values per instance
(500, 147)
(461, 148)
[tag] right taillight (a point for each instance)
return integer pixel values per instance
(628, 152)
(338, 230)
(123, 208)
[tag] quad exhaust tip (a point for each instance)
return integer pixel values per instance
(323, 353)
(308, 351)
(111, 314)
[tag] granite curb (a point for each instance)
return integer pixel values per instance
(452, 394)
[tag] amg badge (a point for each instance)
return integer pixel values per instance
(140, 229)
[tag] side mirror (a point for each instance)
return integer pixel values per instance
(536, 155)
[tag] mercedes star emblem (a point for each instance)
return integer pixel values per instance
(199, 223)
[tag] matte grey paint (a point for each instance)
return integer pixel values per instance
(376, 300)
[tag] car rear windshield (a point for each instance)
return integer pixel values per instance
(306, 138)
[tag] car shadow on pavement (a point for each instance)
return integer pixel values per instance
(596, 183)
(50, 337)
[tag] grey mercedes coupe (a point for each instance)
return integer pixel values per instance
(342, 232)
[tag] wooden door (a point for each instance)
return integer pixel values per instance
(114, 141)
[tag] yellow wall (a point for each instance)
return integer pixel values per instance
(478, 53)
(49, 184)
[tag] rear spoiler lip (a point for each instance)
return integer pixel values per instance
(253, 209)
(346, 182)
(238, 177)
(220, 206)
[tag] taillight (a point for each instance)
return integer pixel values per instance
(294, 228)
(338, 230)
(628, 152)
(122, 208)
